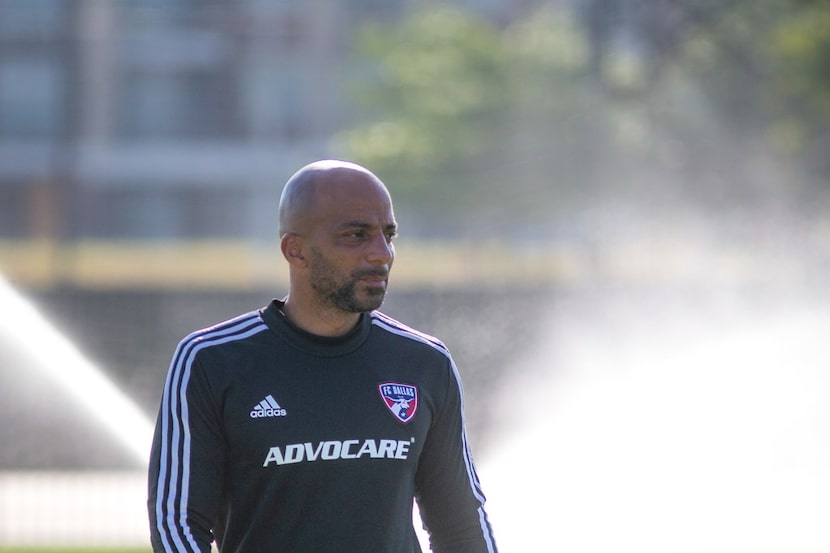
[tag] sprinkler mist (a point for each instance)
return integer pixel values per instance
(63, 363)
(645, 431)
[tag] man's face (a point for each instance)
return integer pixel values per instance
(352, 250)
(355, 291)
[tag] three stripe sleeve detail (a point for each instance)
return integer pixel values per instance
(395, 327)
(173, 483)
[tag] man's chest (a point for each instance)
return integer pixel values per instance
(277, 414)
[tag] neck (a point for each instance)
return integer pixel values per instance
(321, 321)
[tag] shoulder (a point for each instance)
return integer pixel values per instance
(205, 352)
(225, 332)
(397, 328)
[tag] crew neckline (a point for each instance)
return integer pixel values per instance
(319, 346)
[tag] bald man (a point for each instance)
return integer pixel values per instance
(336, 229)
(312, 424)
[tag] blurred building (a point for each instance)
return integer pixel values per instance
(166, 119)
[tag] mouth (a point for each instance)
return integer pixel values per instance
(375, 281)
(375, 278)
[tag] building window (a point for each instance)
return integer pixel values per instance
(28, 19)
(176, 84)
(31, 96)
(170, 212)
(155, 105)
(275, 98)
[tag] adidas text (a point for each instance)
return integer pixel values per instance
(268, 407)
(258, 413)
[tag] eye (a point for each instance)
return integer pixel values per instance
(357, 236)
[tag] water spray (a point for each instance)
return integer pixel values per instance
(62, 362)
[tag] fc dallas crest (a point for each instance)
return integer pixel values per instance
(401, 399)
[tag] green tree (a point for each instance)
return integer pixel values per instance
(772, 68)
(556, 110)
(762, 67)
(438, 86)
(462, 112)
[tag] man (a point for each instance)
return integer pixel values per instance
(311, 425)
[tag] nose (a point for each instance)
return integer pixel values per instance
(381, 250)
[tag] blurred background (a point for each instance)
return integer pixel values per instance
(616, 213)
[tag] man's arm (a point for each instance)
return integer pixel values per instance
(187, 459)
(448, 490)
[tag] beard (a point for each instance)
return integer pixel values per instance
(341, 291)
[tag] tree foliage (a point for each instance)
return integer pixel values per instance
(438, 88)
(457, 102)
(555, 105)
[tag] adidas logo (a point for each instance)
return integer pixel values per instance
(268, 407)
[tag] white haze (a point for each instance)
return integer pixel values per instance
(669, 420)
(63, 363)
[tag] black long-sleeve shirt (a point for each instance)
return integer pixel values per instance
(273, 439)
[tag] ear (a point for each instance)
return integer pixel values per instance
(292, 249)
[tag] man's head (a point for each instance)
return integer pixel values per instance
(336, 226)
